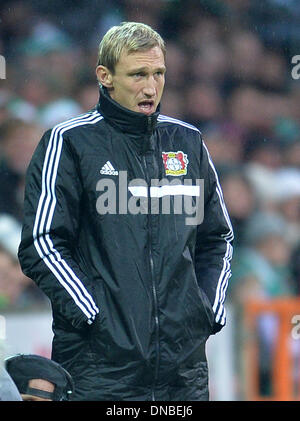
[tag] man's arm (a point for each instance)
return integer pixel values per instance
(214, 242)
(49, 236)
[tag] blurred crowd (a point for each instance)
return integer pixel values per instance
(229, 73)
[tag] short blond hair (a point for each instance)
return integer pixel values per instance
(128, 36)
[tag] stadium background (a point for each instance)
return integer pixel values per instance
(230, 72)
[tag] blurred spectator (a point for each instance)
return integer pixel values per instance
(58, 111)
(198, 29)
(247, 108)
(176, 62)
(18, 139)
(262, 151)
(246, 55)
(10, 234)
(291, 155)
(203, 104)
(5, 96)
(261, 271)
(210, 64)
(16, 290)
(241, 203)
(263, 158)
(277, 23)
(287, 201)
(34, 88)
(172, 104)
(224, 145)
(294, 98)
(295, 267)
(272, 75)
(16, 22)
(86, 94)
(146, 11)
(287, 130)
(261, 268)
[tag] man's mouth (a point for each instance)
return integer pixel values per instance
(146, 106)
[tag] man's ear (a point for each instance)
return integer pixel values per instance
(104, 76)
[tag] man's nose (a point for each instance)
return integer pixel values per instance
(150, 87)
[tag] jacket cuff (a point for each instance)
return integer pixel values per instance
(216, 328)
(91, 319)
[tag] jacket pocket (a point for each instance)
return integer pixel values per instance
(96, 339)
(83, 264)
(207, 307)
(204, 303)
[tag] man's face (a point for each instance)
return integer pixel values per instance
(138, 81)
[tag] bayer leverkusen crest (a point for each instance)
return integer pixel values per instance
(175, 163)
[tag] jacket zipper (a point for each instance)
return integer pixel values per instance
(154, 291)
(155, 311)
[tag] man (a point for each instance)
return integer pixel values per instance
(39, 379)
(136, 290)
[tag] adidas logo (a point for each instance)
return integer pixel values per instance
(108, 169)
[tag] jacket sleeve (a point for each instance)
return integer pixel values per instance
(49, 234)
(214, 241)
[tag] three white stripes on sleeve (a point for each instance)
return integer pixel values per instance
(44, 215)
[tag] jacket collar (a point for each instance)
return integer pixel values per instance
(126, 120)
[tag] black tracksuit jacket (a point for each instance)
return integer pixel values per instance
(134, 294)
